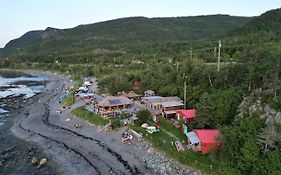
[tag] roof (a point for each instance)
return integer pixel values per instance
(207, 135)
(159, 99)
(173, 98)
(149, 92)
(172, 103)
(170, 112)
(152, 97)
(132, 94)
(85, 94)
(189, 113)
(192, 137)
(114, 101)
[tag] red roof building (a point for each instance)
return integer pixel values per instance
(204, 140)
(208, 139)
(188, 115)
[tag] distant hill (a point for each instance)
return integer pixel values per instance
(108, 34)
(270, 21)
(262, 29)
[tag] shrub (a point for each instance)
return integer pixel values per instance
(143, 115)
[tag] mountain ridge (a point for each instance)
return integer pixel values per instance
(125, 30)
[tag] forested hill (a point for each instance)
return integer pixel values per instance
(264, 28)
(267, 22)
(125, 30)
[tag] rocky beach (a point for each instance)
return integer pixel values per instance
(15, 153)
(35, 129)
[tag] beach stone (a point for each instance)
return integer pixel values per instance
(47, 147)
(162, 169)
(34, 161)
(169, 169)
(150, 150)
(42, 163)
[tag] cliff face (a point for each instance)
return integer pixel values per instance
(270, 137)
(49, 32)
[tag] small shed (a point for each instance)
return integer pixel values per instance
(187, 115)
(149, 93)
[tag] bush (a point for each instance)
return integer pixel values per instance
(143, 115)
(277, 103)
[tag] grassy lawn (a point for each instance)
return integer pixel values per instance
(69, 99)
(168, 126)
(162, 141)
(90, 117)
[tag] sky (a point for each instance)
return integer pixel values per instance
(20, 16)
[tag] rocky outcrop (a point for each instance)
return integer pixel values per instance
(270, 136)
(252, 104)
(272, 116)
(49, 32)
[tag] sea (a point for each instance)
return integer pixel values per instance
(15, 84)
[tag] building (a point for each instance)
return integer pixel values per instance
(127, 121)
(149, 93)
(204, 140)
(155, 102)
(131, 95)
(170, 108)
(112, 103)
(187, 115)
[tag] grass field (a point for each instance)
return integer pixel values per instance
(69, 99)
(163, 141)
(90, 117)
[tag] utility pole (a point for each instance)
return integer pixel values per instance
(190, 53)
(219, 55)
(184, 93)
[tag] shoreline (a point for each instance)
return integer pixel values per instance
(85, 151)
(16, 153)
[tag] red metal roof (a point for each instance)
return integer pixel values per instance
(190, 113)
(207, 135)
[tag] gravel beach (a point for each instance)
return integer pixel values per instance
(71, 150)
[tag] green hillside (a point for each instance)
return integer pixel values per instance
(125, 31)
(267, 22)
(242, 99)
(264, 28)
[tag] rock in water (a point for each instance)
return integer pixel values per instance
(42, 163)
(34, 161)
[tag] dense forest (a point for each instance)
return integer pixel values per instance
(242, 98)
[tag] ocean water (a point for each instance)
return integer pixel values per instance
(16, 85)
